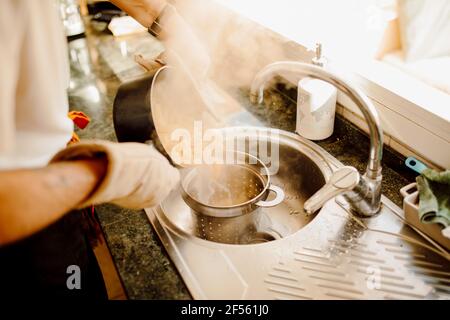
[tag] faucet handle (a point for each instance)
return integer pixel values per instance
(344, 179)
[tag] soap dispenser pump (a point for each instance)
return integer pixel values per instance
(316, 105)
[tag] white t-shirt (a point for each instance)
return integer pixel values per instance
(34, 77)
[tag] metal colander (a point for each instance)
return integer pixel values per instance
(225, 185)
(225, 199)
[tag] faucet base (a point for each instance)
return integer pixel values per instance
(365, 198)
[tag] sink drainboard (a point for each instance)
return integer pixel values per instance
(332, 255)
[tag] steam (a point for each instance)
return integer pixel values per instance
(213, 51)
(216, 43)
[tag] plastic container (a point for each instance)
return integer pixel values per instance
(411, 209)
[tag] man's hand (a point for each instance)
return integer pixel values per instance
(144, 11)
(137, 176)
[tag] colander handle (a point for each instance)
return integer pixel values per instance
(278, 198)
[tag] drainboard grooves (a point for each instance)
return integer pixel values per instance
(419, 262)
(424, 270)
(371, 253)
(394, 284)
(288, 293)
(369, 259)
(390, 276)
(356, 250)
(312, 256)
(432, 279)
(383, 275)
(281, 269)
(443, 289)
(396, 245)
(340, 289)
(336, 273)
(284, 285)
(346, 244)
(443, 296)
(313, 249)
(341, 296)
(406, 252)
(322, 264)
(351, 283)
(339, 251)
(361, 264)
(401, 293)
(282, 277)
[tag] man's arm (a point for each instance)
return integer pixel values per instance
(31, 200)
(144, 11)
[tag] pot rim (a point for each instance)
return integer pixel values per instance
(252, 201)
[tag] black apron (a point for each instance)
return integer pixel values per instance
(38, 266)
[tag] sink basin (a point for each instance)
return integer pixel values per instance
(300, 173)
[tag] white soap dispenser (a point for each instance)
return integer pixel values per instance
(316, 105)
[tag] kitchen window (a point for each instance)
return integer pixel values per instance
(365, 37)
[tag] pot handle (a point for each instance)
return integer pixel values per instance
(278, 198)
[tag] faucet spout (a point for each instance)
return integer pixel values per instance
(365, 197)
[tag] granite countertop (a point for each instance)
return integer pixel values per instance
(99, 64)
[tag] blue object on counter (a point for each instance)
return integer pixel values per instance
(416, 165)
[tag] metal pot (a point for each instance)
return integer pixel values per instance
(226, 200)
(132, 110)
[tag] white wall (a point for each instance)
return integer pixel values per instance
(349, 29)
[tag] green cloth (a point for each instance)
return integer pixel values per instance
(434, 197)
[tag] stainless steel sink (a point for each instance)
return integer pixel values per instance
(331, 255)
(301, 172)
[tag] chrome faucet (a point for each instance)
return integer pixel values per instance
(363, 193)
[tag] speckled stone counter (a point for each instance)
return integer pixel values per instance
(99, 63)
